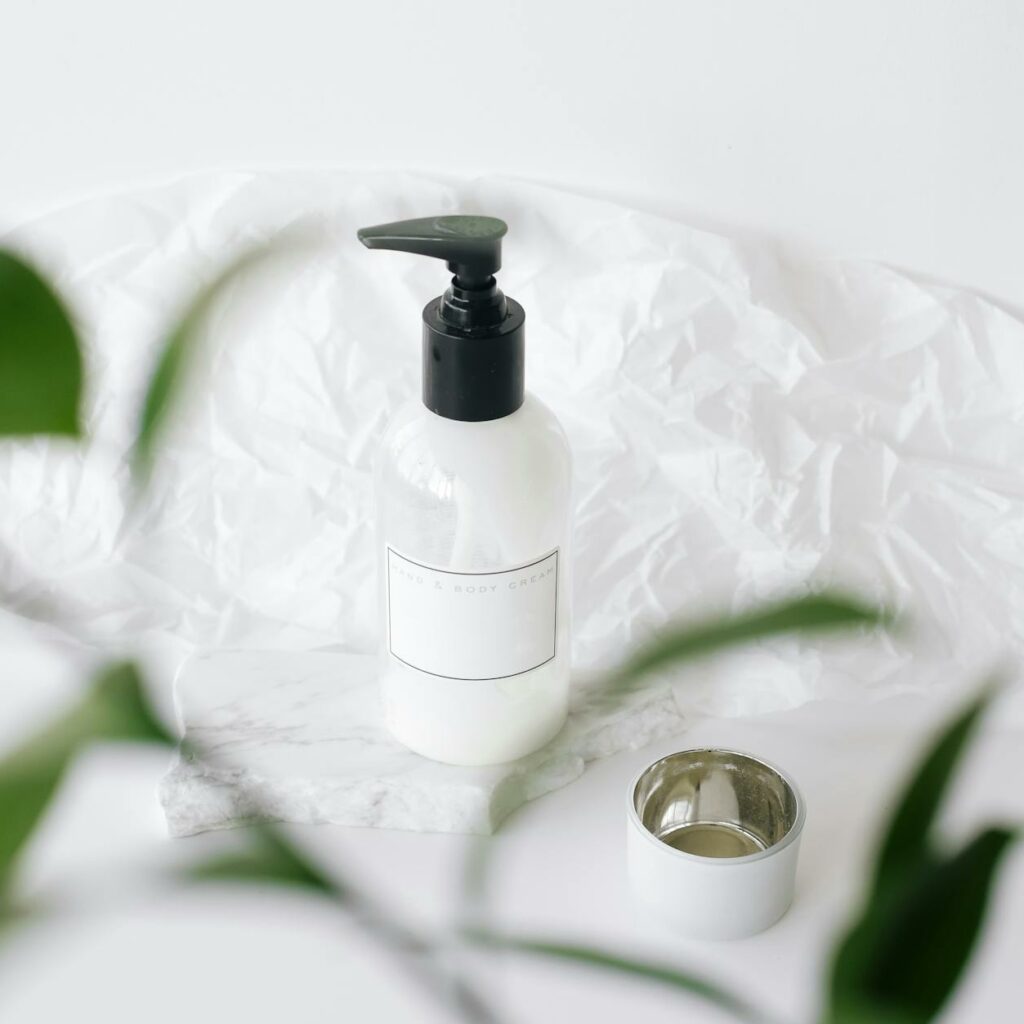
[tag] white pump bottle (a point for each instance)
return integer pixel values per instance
(473, 522)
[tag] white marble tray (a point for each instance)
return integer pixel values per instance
(298, 737)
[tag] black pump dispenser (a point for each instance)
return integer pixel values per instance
(473, 336)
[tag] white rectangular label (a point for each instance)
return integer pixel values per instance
(488, 625)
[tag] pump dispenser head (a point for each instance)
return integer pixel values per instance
(473, 337)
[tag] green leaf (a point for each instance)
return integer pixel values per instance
(475, 880)
(180, 347)
(268, 859)
(114, 708)
(118, 709)
(588, 956)
(906, 845)
(904, 957)
(170, 374)
(814, 614)
(28, 780)
(40, 362)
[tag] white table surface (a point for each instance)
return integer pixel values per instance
(558, 871)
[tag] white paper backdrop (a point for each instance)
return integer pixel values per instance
(741, 428)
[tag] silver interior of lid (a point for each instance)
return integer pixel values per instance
(716, 803)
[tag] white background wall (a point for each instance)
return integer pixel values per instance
(878, 128)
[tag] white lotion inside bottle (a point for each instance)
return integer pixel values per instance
(482, 511)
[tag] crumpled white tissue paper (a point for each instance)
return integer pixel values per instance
(740, 430)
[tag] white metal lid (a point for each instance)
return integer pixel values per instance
(712, 841)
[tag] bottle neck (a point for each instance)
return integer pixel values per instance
(470, 309)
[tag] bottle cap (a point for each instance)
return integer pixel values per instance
(713, 837)
(473, 336)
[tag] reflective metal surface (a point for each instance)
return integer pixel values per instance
(716, 803)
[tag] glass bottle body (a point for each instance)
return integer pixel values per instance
(473, 536)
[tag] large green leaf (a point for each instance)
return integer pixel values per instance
(906, 845)
(813, 614)
(40, 362)
(114, 708)
(589, 956)
(180, 346)
(906, 954)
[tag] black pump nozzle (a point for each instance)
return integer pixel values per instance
(473, 354)
(471, 246)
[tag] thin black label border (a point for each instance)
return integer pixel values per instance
(497, 572)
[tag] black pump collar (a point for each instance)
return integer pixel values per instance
(477, 373)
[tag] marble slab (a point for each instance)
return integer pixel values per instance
(298, 738)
